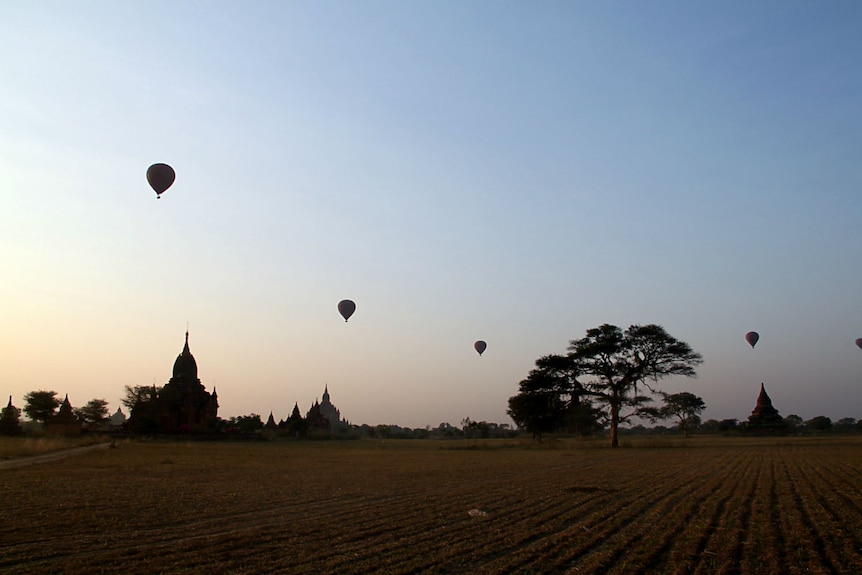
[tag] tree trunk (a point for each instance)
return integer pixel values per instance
(615, 421)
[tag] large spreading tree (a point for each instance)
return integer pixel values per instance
(610, 369)
(613, 366)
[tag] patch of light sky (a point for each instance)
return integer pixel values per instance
(497, 170)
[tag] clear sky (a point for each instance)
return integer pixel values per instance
(517, 172)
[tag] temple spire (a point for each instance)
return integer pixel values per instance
(763, 399)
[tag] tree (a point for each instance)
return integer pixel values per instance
(94, 413)
(684, 406)
(728, 425)
(846, 424)
(819, 423)
(710, 426)
(247, 424)
(41, 405)
(584, 418)
(611, 365)
(793, 421)
(143, 406)
(132, 395)
(548, 399)
(473, 429)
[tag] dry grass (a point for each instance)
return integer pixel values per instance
(11, 447)
(701, 506)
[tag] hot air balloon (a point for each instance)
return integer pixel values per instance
(752, 337)
(480, 346)
(160, 177)
(859, 343)
(346, 308)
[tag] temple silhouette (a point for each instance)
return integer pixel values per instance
(10, 420)
(183, 405)
(321, 418)
(764, 419)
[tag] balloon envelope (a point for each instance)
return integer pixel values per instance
(160, 177)
(480, 346)
(859, 343)
(346, 308)
(752, 337)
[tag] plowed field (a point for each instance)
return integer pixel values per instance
(701, 506)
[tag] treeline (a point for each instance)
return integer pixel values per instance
(253, 425)
(795, 425)
(818, 425)
(44, 409)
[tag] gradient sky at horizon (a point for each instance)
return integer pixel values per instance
(509, 171)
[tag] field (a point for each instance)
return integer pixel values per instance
(747, 506)
(25, 446)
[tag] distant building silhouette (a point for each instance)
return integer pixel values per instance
(117, 420)
(315, 420)
(183, 405)
(295, 426)
(10, 423)
(321, 419)
(330, 412)
(270, 428)
(765, 420)
(64, 422)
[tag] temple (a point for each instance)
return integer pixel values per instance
(330, 412)
(64, 422)
(10, 422)
(765, 420)
(183, 405)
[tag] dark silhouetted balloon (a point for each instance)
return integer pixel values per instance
(752, 337)
(346, 308)
(160, 177)
(859, 343)
(480, 346)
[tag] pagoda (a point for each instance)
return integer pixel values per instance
(65, 422)
(765, 420)
(10, 423)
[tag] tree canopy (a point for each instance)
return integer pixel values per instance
(684, 406)
(41, 405)
(94, 413)
(133, 394)
(613, 366)
(609, 369)
(549, 400)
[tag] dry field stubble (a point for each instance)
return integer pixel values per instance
(702, 506)
(25, 446)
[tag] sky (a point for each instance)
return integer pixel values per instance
(516, 172)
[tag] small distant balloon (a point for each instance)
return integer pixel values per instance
(346, 308)
(859, 343)
(752, 337)
(160, 177)
(480, 346)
